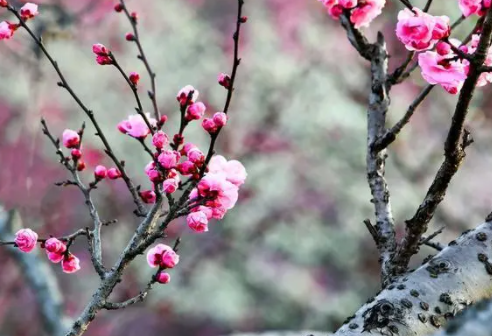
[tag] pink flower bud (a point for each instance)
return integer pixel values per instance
(54, 245)
(55, 257)
(163, 278)
(148, 196)
(195, 155)
(114, 173)
(443, 48)
(118, 8)
(220, 119)
(163, 120)
(3, 3)
(134, 78)
(224, 80)
(70, 138)
(160, 139)
(243, 19)
(129, 37)
(80, 165)
(28, 11)
(185, 93)
(168, 159)
(104, 60)
(100, 172)
(6, 30)
(25, 240)
(209, 125)
(76, 153)
(195, 111)
(197, 221)
(70, 264)
(187, 168)
(170, 185)
(162, 255)
(134, 16)
(100, 49)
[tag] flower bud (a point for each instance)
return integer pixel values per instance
(114, 173)
(100, 172)
(163, 278)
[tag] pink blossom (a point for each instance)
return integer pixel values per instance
(70, 264)
(365, 12)
(80, 165)
(29, 10)
(469, 7)
(224, 80)
(220, 119)
(234, 171)
(163, 278)
(154, 175)
(55, 257)
(443, 48)
(208, 125)
(195, 155)
(443, 70)
(134, 77)
(148, 196)
(162, 255)
(3, 3)
(135, 126)
(100, 172)
(170, 185)
(54, 245)
(6, 31)
(221, 192)
(183, 94)
(104, 60)
(160, 139)
(347, 3)
(76, 153)
(114, 173)
(25, 240)
(197, 221)
(195, 111)
(169, 159)
(70, 138)
(118, 8)
(419, 30)
(100, 49)
(186, 168)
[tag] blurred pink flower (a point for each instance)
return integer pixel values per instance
(29, 10)
(197, 221)
(136, 127)
(162, 255)
(70, 138)
(70, 264)
(234, 170)
(53, 245)
(26, 239)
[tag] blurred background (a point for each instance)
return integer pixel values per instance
(294, 253)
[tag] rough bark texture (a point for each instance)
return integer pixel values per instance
(476, 321)
(421, 302)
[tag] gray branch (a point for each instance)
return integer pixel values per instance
(475, 321)
(38, 276)
(420, 303)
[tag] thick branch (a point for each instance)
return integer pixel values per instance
(475, 321)
(416, 305)
(454, 153)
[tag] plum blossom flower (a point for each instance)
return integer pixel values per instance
(114, 173)
(197, 221)
(160, 139)
(184, 94)
(29, 10)
(195, 111)
(443, 70)
(53, 245)
(55, 257)
(25, 240)
(70, 263)
(221, 192)
(148, 196)
(224, 80)
(220, 119)
(170, 185)
(135, 126)
(6, 30)
(163, 256)
(70, 138)
(365, 12)
(234, 170)
(134, 77)
(419, 30)
(100, 172)
(469, 7)
(169, 158)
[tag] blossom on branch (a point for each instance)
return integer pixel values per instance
(26, 239)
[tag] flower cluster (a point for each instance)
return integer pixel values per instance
(446, 68)
(7, 29)
(469, 7)
(56, 250)
(362, 12)
(164, 257)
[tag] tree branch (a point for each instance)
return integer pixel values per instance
(454, 153)
(418, 304)
(474, 321)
